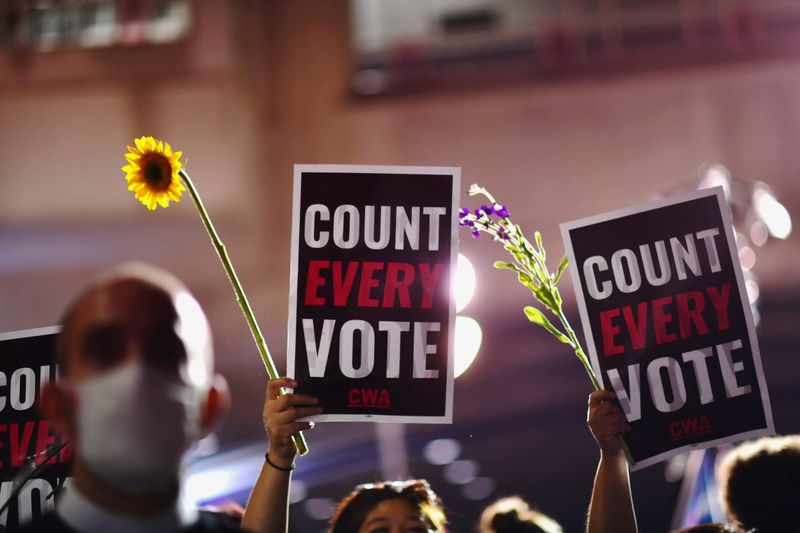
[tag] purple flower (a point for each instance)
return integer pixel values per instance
(463, 212)
(476, 233)
(500, 210)
(486, 209)
(466, 222)
(503, 234)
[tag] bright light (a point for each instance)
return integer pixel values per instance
(759, 233)
(463, 283)
(753, 291)
(468, 341)
(479, 488)
(772, 212)
(717, 176)
(747, 257)
(319, 508)
(442, 451)
(193, 330)
(298, 491)
(460, 472)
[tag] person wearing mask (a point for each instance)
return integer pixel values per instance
(137, 388)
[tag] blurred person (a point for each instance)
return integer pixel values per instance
(137, 388)
(760, 485)
(390, 507)
(514, 515)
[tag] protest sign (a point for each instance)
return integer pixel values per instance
(26, 363)
(667, 323)
(371, 316)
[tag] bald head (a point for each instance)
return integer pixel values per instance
(136, 312)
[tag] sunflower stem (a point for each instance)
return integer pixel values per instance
(299, 440)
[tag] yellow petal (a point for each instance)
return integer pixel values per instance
(140, 143)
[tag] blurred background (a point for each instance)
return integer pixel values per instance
(562, 108)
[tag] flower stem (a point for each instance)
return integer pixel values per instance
(585, 360)
(299, 440)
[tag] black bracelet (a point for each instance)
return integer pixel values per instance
(276, 467)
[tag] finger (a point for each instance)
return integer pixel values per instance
(289, 401)
(608, 408)
(304, 399)
(612, 409)
(600, 396)
(610, 418)
(618, 427)
(299, 399)
(274, 386)
(289, 430)
(290, 415)
(303, 412)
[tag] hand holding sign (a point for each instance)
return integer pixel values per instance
(281, 414)
(606, 422)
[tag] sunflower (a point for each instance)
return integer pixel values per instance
(153, 171)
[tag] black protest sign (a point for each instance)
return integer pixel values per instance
(26, 363)
(667, 323)
(371, 318)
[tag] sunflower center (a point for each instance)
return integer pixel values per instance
(157, 171)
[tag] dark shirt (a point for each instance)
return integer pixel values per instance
(207, 523)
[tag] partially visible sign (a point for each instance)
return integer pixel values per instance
(26, 363)
(667, 323)
(371, 315)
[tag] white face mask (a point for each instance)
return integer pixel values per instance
(133, 426)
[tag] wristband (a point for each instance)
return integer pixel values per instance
(276, 467)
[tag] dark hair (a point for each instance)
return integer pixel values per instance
(354, 508)
(514, 515)
(760, 484)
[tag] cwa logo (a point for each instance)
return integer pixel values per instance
(369, 398)
(694, 426)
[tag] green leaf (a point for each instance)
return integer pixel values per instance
(537, 317)
(504, 265)
(526, 280)
(538, 237)
(543, 295)
(562, 266)
(557, 297)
